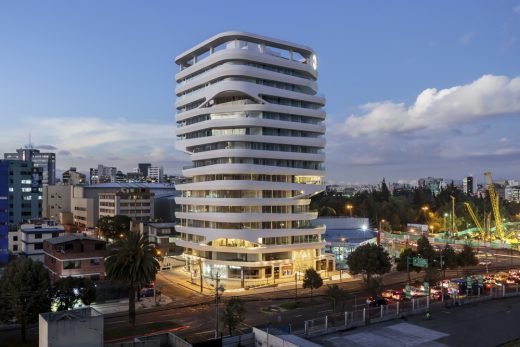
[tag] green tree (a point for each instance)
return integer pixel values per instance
(70, 291)
(312, 279)
(113, 227)
(467, 257)
(234, 313)
(402, 262)
(336, 294)
(369, 260)
(24, 292)
(432, 275)
(132, 261)
(425, 250)
(449, 259)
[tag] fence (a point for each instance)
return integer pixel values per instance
(349, 319)
(355, 318)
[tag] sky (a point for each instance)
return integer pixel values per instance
(414, 89)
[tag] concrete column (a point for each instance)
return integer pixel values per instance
(346, 319)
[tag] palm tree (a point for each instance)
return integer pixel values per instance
(132, 261)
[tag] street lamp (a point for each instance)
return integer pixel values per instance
(219, 290)
(343, 240)
(349, 208)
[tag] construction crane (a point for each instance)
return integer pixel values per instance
(475, 219)
(499, 227)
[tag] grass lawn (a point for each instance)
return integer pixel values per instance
(138, 330)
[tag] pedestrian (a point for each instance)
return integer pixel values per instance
(428, 315)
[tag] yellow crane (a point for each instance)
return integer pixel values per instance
(475, 220)
(499, 227)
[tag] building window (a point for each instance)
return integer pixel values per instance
(15, 238)
(72, 264)
(15, 247)
(55, 234)
(53, 261)
(99, 246)
(95, 261)
(38, 236)
(38, 246)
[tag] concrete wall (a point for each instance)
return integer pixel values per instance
(56, 200)
(76, 331)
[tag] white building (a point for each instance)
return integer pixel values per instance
(249, 115)
(512, 193)
(82, 327)
(155, 173)
(136, 203)
(28, 239)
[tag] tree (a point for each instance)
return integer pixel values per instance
(404, 262)
(312, 279)
(369, 260)
(449, 259)
(132, 261)
(25, 292)
(113, 227)
(425, 250)
(234, 313)
(432, 275)
(335, 294)
(467, 257)
(70, 291)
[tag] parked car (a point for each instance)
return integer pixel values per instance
(148, 292)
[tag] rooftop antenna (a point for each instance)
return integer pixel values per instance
(30, 144)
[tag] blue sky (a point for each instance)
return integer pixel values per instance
(94, 80)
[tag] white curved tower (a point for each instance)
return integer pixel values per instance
(249, 115)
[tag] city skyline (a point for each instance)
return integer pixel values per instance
(94, 92)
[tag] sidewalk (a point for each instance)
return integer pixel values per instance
(182, 278)
(115, 306)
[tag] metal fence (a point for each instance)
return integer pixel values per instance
(348, 319)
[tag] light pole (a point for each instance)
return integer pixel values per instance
(218, 289)
(349, 208)
(425, 210)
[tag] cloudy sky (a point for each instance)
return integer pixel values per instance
(413, 88)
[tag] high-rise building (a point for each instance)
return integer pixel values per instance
(46, 161)
(143, 168)
(249, 115)
(467, 185)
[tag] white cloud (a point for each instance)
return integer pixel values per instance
(489, 96)
(87, 141)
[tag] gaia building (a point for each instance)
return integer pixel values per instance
(250, 117)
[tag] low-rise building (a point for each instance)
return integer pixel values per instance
(28, 239)
(75, 255)
(82, 327)
(73, 177)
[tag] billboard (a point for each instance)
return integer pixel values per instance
(36, 180)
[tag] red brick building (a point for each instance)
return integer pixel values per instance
(75, 255)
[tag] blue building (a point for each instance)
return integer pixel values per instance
(20, 198)
(4, 213)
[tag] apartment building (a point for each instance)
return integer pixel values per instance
(250, 116)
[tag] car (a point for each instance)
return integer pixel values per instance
(387, 294)
(398, 295)
(376, 301)
(148, 292)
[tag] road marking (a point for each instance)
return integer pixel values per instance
(324, 311)
(299, 315)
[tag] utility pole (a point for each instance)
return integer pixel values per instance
(296, 286)
(200, 270)
(217, 276)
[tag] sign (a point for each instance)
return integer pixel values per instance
(408, 291)
(480, 280)
(426, 287)
(469, 281)
(36, 180)
(419, 262)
